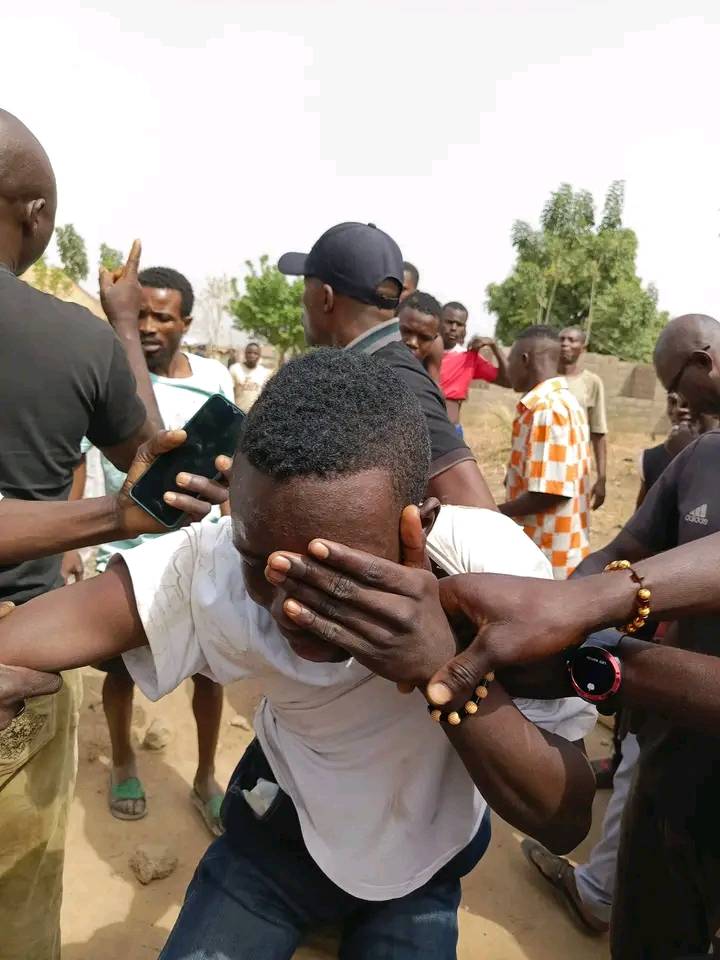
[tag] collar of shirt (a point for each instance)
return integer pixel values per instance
(377, 337)
(542, 391)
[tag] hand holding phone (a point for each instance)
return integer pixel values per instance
(212, 432)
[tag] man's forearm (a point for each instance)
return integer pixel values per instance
(126, 328)
(503, 377)
(599, 445)
(529, 503)
(539, 783)
(32, 529)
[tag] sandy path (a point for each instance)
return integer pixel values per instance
(108, 915)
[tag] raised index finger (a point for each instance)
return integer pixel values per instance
(133, 260)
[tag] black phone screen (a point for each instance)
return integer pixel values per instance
(212, 431)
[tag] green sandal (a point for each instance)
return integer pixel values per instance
(209, 810)
(130, 789)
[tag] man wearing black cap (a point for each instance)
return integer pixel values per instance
(353, 281)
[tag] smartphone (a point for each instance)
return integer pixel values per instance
(212, 431)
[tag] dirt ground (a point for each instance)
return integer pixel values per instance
(507, 914)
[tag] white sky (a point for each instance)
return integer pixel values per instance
(217, 131)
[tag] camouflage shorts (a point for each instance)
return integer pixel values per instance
(38, 766)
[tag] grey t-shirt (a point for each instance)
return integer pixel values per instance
(63, 376)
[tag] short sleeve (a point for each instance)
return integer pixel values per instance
(655, 523)
(162, 574)
(484, 370)
(597, 417)
(447, 446)
(551, 464)
(118, 411)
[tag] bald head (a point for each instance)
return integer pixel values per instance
(535, 356)
(687, 360)
(27, 195)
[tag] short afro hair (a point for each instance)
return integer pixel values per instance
(539, 331)
(165, 278)
(422, 302)
(332, 413)
(413, 271)
(456, 305)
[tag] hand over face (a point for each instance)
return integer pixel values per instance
(120, 291)
(387, 616)
(18, 684)
(517, 620)
(134, 521)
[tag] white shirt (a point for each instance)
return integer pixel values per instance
(248, 383)
(383, 799)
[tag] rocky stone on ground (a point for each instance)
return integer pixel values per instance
(152, 862)
(157, 736)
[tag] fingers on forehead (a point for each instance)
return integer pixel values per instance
(364, 566)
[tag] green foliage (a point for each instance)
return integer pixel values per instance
(271, 308)
(571, 272)
(110, 258)
(73, 254)
(48, 279)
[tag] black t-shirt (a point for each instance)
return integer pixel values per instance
(655, 461)
(63, 376)
(447, 446)
(681, 768)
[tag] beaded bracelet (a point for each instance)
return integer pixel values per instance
(455, 717)
(642, 597)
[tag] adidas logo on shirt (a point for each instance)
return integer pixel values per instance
(698, 515)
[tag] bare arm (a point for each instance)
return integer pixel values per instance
(599, 445)
(538, 782)
(503, 377)
(120, 297)
(74, 627)
(462, 484)
(31, 529)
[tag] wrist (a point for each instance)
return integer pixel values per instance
(125, 322)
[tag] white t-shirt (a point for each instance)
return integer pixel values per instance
(248, 383)
(178, 399)
(383, 799)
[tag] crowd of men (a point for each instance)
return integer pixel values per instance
(427, 656)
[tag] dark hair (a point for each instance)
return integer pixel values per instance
(165, 278)
(412, 270)
(422, 302)
(456, 305)
(331, 413)
(539, 331)
(252, 343)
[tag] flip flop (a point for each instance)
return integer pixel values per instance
(128, 789)
(560, 874)
(209, 810)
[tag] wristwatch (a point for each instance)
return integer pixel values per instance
(596, 670)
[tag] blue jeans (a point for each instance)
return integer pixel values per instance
(257, 892)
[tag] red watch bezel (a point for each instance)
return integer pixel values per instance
(617, 678)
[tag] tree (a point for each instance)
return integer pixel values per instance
(271, 308)
(570, 272)
(110, 258)
(49, 279)
(73, 254)
(214, 304)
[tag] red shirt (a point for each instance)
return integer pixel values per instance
(459, 368)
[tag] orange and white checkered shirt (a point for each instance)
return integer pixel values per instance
(551, 454)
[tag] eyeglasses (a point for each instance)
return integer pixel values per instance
(675, 383)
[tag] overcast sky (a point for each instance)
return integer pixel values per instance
(217, 131)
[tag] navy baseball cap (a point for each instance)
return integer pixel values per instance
(354, 259)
